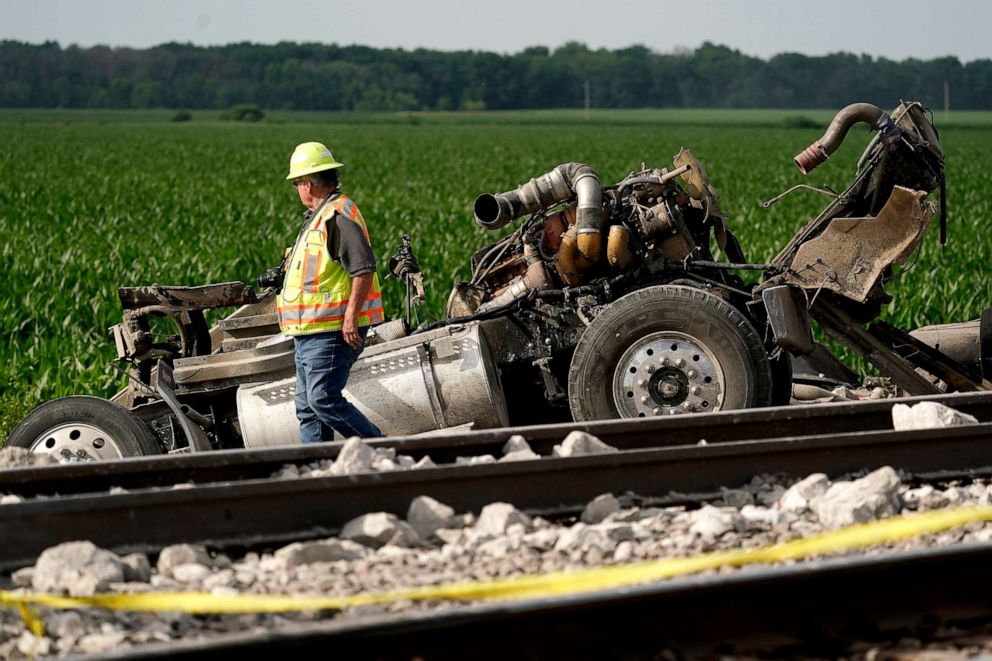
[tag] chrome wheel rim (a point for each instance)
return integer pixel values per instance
(667, 373)
(75, 441)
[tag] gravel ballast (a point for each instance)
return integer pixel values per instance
(435, 545)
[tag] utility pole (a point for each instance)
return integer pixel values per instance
(947, 101)
(587, 99)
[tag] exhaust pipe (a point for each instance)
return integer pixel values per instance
(535, 277)
(568, 179)
(820, 151)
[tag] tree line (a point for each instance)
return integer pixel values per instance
(330, 77)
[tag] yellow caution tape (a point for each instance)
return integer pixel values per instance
(521, 587)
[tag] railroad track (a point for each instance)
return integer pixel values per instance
(816, 608)
(236, 504)
(714, 428)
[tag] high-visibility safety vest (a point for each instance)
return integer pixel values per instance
(316, 288)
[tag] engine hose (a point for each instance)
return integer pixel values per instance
(818, 152)
(532, 294)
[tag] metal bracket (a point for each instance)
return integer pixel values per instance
(896, 353)
(930, 359)
(437, 409)
(165, 386)
(552, 389)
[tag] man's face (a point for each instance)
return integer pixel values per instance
(304, 187)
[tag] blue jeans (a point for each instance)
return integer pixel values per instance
(323, 361)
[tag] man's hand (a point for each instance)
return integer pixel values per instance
(350, 332)
(360, 287)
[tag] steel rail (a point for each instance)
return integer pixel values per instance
(264, 512)
(816, 608)
(720, 427)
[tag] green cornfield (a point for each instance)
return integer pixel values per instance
(90, 201)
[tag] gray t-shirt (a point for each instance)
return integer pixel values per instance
(348, 243)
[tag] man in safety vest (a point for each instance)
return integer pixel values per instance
(330, 296)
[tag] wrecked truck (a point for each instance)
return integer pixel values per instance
(604, 301)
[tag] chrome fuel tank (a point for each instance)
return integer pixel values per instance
(441, 378)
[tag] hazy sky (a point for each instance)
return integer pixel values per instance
(894, 29)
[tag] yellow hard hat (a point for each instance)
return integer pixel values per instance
(310, 157)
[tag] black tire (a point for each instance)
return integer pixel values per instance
(83, 428)
(715, 358)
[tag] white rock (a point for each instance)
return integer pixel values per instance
(331, 550)
(355, 457)
(873, 496)
(569, 537)
(165, 583)
(181, 554)
(495, 518)
(96, 643)
(33, 646)
(392, 551)
(287, 472)
(709, 521)
(476, 460)
(599, 508)
(797, 497)
(378, 529)
(630, 515)
(624, 551)
(449, 536)
(190, 572)
(385, 453)
(79, 568)
(22, 578)
(383, 464)
(516, 443)
(520, 455)
(761, 516)
(222, 579)
(928, 415)
(220, 591)
(244, 578)
(579, 443)
(425, 462)
(924, 497)
(405, 462)
(10, 499)
(65, 623)
(497, 547)
(426, 515)
(581, 537)
(542, 540)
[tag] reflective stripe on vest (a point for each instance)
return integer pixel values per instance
(316, 288)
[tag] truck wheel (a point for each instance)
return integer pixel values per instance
(665, 350)
(83, 428)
